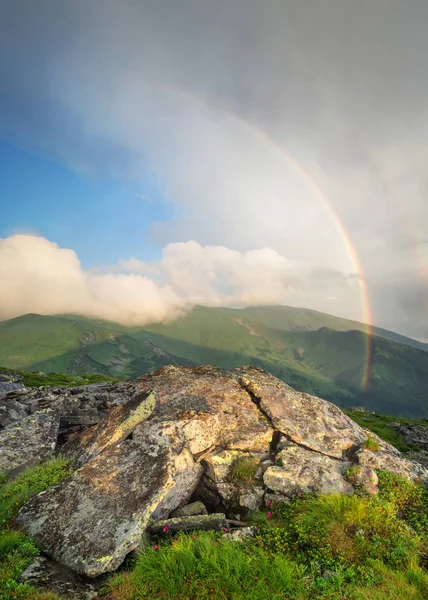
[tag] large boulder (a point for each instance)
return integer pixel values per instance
(93, 519)
(28, 442)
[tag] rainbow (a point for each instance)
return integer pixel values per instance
(317, 191)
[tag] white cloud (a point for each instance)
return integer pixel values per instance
(46, 279)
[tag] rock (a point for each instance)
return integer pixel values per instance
(413, 434)
(364, 477)
(49, 576)
(120, 423)
(10, 382)
(304, 419)
(240, 535)
(212, 407)
(206, 522)
(303, 470)
(252, 499)
(275, 498)
(190, 510)
(11, 411)
(388, 458)
(28, 442)
(92, 520)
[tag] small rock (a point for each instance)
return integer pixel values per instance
(49, 576)
(241, 534)
(190, 510)
(206, 522)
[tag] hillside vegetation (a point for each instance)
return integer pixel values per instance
(313, 352)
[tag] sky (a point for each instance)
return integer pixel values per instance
(159, 154)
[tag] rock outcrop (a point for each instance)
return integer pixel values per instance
(143, 449)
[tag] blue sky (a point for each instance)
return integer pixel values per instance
(101, 219)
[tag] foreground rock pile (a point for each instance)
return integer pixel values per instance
(143, 450)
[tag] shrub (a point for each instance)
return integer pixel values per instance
(340, 532)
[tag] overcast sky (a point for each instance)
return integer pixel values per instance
(157, 154)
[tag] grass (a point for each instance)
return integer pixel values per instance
(17, 551)
(243, 470)
(371, 444)
(37, 379)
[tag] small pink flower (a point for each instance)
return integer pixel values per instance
(268, 502)
(225, 529)
(299, 495)
(156, 547)
(165, 529)
(259, 541)
(269, 515)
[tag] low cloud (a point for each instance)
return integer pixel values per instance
(44, 278)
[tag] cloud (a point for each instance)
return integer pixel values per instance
(43, 278)
(217, 100)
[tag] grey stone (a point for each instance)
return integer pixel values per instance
(49, 576)
(240, 535)
(205, 522)
(11, 411)
(92, 520)
(304, 470)
(29, 441)
(190, 510)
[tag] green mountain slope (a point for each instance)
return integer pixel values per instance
(311, 351)
(288, 318)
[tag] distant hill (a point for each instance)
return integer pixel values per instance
(312, 351)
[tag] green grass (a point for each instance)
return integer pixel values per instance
(17, 551)
(38, 379)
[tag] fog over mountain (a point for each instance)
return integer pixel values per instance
(288, 142)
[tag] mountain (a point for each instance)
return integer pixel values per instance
(313, 352)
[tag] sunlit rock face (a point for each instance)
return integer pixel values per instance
(230, 438)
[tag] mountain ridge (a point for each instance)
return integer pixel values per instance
(299, 346)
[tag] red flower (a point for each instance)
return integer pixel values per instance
(268, 502)
(156, 547)
(269, 515)
(165, 529)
